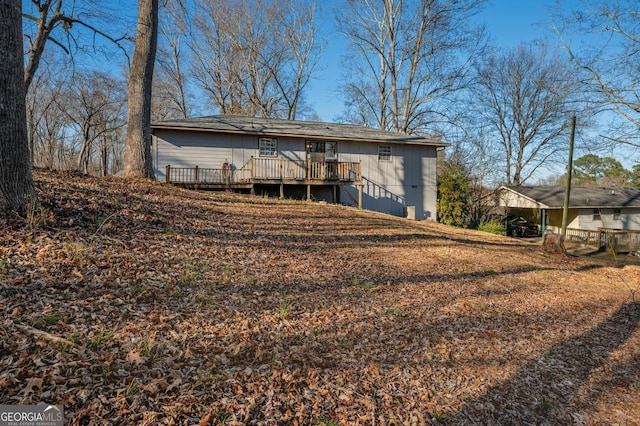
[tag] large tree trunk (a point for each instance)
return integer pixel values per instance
(16, 180)
(137, 161)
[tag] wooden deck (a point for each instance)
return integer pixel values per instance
(269, 171)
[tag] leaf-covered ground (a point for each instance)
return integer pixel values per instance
(140, 303)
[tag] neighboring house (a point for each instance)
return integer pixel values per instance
(353, 165)
(590, 209)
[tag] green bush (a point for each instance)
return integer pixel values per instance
(454, 189)
(493, 227)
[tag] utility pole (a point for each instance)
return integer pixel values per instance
(567, 191)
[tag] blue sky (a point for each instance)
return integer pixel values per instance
(510, 22)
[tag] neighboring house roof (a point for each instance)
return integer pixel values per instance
(552, 197)
(269, 127)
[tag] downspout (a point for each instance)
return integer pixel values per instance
(438, 149)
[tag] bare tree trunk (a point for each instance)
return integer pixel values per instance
(82, 164)
(16, 181)
(104, 157)
(137, 161)
(51, 18)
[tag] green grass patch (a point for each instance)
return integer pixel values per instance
(205, 301)
(192, 272)
(4, 262)
(100, 338)
(395, 311)
(47, 321)
(326, 422)
(363, 283)
(284, 309)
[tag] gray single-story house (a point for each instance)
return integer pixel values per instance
(590, 209)
(353, 165)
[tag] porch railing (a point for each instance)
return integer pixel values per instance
(267, 169)
(621, 241)
(590, 238)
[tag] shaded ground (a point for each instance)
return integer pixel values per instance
(603, 257)
(138, 303)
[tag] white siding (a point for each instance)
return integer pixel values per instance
(629, 219)
(510, 199)
(189, 149)
(210, 150)
(409, 179)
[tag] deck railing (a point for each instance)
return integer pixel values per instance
(188, 175)
(267, 169)
(582, 236)
(301, 170)
(621, 241)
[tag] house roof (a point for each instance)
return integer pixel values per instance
(270, 127)
(552, 197)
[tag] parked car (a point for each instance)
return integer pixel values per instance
(517, 226)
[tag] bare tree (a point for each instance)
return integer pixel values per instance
(48, 16)
(111, 146)
(414, 55)
(96, 108)
(524, 96)
(255, 57)
(46, 119)
(170, 92)
(215, 63)
(68, 24)
(16, 181)
(75, 119)
(603, 40)
(137, 161)
(298, 35)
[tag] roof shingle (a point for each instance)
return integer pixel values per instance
(552, 197)
(307, 129)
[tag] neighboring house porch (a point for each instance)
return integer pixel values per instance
(596, 216)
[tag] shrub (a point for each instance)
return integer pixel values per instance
(454, 189)
(493, 227)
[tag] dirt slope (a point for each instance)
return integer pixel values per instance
(139, 303)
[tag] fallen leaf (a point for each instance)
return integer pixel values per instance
(134, 357)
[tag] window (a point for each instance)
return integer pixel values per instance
(330, 150)
(384, 152)
(268, 147)
(321, 151)
(596, 214)
(616, 214)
